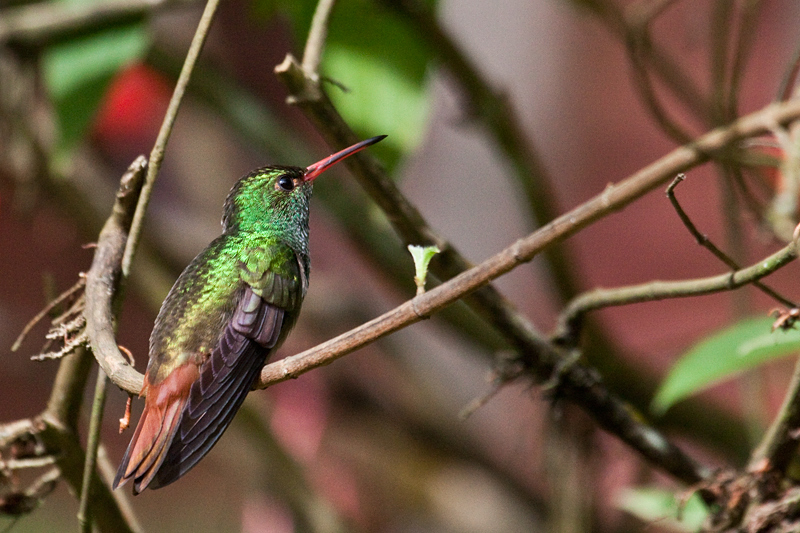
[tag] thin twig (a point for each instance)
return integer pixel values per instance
(613, 198)
(433, 300)
(570, 318)
(44, 312)
(704, 241)
(779, 444)
(669, 74)
(92, 444)
(157, 154)
(720, 27)
(745, 38)
(789, 81)
(44, 22)
(642, 12)
(317, 35)
(637, 43)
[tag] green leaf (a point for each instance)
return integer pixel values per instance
(380, 99)
(77, 73)
(384, 65)
(722, 356)
(422, 256)
(658, 505)
(379, 59)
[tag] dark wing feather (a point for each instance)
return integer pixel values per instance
(225, 379)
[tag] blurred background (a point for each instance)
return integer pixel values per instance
(374, 442)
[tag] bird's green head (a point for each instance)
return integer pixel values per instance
(268, 198)
(275, 199)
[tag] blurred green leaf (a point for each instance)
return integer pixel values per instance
(383, 65)
(658, 505)
(380, 99)
(77, 73)
(722, 356)
(422, 256)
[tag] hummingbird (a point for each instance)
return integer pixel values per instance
(231, 307)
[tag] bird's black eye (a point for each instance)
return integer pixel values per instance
(286, 183)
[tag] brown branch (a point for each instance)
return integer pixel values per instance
(637, 45)
(621, 22)
(315, 43)
(580, 384)
(613, 198)
(102, 282)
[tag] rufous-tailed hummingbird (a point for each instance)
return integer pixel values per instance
(227, 312)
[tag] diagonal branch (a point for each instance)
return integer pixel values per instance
(496, 113)
(157, 153)
(580, 384)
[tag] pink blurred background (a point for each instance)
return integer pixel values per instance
(570, 82)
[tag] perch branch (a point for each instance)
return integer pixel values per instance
(579, 383)
(103, 278)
